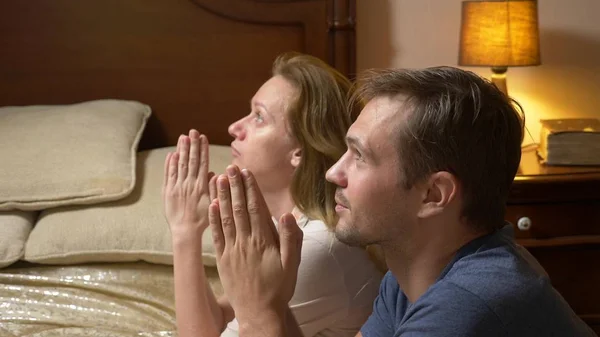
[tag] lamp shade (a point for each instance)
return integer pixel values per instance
(499, 33)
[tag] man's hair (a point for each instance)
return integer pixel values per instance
(319, 119)
(460, 123)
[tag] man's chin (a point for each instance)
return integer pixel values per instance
(349, 236)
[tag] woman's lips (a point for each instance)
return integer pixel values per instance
(234, 151)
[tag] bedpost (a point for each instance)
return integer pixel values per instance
(342, 35)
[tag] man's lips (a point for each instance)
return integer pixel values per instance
(339, 204)
(339, 208)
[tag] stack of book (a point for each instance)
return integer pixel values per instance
(573, 141)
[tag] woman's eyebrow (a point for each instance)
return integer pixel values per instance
(257, 103)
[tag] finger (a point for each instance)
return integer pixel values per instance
(290, 238)
(173, 163)
(204, 161)
(194, 158)
(184, 151)
(261, 224)
(212, 185)
(224, 197)
(216, 229)
(238, 202)
(166, 171)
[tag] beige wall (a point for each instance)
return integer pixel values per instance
(421, 33)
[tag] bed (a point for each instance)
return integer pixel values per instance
(93, 95)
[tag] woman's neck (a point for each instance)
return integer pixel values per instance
(279, 202)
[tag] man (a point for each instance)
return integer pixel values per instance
(426, 176)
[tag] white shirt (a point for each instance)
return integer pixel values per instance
(336, 285)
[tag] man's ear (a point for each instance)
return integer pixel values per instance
(296, 157)
(438, 192)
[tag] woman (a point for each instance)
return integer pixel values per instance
(293, 134)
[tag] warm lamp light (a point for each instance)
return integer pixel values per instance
(499, 34)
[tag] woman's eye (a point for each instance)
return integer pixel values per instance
(258, 117)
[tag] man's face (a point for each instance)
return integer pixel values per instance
(373, 205)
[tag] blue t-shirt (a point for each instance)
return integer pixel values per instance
(492, 287)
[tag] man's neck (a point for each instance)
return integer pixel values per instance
(417, 262)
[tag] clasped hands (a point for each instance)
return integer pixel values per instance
(257, 264)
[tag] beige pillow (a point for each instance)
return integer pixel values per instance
(14, 230)
(69, 154)
(130, 229)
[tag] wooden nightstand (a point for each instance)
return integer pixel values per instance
(556, 215)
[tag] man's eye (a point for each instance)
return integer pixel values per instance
(258, 117)
(358, 155)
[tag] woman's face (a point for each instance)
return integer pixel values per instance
(262, 141)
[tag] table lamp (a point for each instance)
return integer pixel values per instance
(499, 34)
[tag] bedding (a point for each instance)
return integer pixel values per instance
(100, 300)
(130, 229)
(15, 227)
(42, 168)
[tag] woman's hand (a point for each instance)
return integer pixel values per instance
(185, 189)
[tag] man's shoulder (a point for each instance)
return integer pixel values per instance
(499, 268)
(494, 262)
(486, 291)
(450, 310)
(506, 282)
(498, 273)
(444, 310)
(503, 308)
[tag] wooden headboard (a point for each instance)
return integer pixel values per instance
(196, 63)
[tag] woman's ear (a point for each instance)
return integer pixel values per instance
(296, 157)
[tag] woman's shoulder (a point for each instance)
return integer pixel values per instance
(321, 240)
(317, 231)
(351, 269)
(317, 227)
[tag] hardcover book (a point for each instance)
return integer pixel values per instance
(574, 141)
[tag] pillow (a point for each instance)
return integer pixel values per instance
(130, 229)
(69, 154)
(14, 229)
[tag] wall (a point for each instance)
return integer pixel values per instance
(421, 33)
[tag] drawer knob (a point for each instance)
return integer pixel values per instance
(524, 223)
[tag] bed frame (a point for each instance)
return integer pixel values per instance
(197, 63)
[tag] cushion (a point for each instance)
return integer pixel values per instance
(57, 155)
(14, 230)
(130, 229)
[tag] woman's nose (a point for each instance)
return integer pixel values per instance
(236, 129)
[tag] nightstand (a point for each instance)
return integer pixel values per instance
(556, 215)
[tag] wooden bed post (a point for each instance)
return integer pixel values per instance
(342, 35)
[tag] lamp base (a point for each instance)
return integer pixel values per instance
(499, 78)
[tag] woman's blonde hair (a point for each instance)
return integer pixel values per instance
(318, 119)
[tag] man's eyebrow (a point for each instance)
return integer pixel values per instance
(357, 143)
